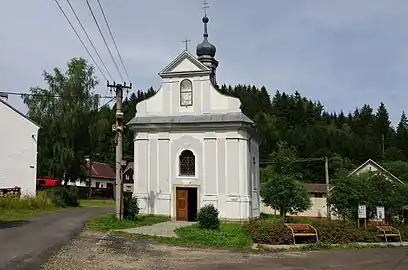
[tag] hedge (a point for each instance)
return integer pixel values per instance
(329, 232)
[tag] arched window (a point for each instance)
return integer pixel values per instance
(186, 93)
(187, 163)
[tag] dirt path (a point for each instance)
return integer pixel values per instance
(100, 251)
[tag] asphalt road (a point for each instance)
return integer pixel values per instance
(27, 244)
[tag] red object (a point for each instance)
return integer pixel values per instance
(46, 182)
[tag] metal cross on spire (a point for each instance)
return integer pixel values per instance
(186, 41)
(205, 7)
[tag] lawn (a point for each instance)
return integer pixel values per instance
(109, 222)
(229, 236)
(96, 203)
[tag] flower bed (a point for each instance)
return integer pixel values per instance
(330, 232)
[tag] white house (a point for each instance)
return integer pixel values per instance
(127, 177)
(372, 166)
(193, 145)
(18, 149)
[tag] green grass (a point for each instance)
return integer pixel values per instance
(229, 236)
(109, 222)
(14, 208)
(96, 203)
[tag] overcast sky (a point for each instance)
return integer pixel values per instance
(343, 53)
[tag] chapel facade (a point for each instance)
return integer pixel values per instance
(193, 146)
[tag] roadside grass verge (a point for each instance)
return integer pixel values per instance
(96, 203)
(14, 208)
(109, 222)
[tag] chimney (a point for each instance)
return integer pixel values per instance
(3, 96)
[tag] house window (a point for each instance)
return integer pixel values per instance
(187, 163)
(97, 184)
(186, 93)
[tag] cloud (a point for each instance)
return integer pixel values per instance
(344, 53)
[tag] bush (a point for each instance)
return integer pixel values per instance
(130, 208)
(64, 196)
(329, 232)
(207, 218)
(266, 232)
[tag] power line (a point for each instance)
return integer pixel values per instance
(83, 44)
(113, 39)
(104, 40)
(44, 95)
(89, 39)
(106, 103)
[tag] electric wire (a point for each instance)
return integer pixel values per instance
(113, 40)
(82, 42)
(104, 40)
(45, 95)
(89, 39)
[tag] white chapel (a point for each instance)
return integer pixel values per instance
(193, 145)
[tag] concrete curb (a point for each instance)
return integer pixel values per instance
(299, 246)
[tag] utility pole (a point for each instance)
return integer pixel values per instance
(326, 177)
(118, 129)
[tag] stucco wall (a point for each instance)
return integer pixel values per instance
(206, 99)
(18, 151)
(224, 182)
(318, 209)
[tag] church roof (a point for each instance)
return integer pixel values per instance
(204, 118)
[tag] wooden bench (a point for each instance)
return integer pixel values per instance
(388, 231)
(302, 230)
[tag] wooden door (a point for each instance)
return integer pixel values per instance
(182, 204)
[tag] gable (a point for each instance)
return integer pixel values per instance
(372, 166)
(184, 63)
(4, 105)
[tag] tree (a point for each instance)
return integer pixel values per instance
(280, 189)
(367, 189)
(285, 194)
(64, 113)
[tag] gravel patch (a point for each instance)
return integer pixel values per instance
(93, 250)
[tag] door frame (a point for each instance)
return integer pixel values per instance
(174, 198)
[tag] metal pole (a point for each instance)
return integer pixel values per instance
(326, 176)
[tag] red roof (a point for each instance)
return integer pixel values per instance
(102, 170)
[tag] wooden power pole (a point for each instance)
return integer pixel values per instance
(118, 129)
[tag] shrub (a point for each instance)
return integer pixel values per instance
(266, 232)
(64, 196)
(130, 208)
(329, 232)
(207, 217)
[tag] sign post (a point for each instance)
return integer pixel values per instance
(362, 213)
